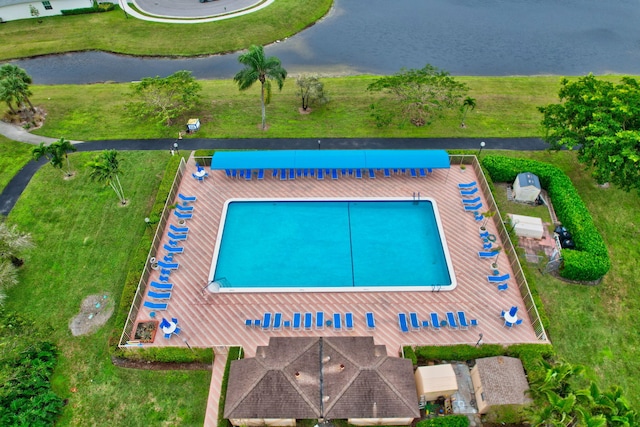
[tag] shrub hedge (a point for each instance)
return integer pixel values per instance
(167, 354)
(590, 260)
(235, 353)
(447, 421)
(96, 8)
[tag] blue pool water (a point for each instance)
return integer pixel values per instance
(330, 244)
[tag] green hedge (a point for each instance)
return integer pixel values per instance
(97, 8)
(447, 421)
(590, 260)
(235, 353)
(167, 354)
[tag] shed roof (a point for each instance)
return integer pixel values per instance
(503, 380)
(437, 378)
(356, 380)
(526, 179)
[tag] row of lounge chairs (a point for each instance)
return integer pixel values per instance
(308, 321)
(290, 174)
(457, 320)
(160, 291)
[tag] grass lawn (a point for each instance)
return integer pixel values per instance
(506, 107)
(13, 156)
(112, 32)
(73, 222)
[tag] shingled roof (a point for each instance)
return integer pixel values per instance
(503, 380)
(334, 378)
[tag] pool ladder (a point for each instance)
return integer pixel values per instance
(416, 198)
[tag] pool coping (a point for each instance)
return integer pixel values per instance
(214, 287)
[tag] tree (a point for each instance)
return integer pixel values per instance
(57, 152)
(257, 67)
(105, 168)
(423, 94)
(468, 104)
(12, 244)
(310, 88)
(602, 121)
(14, 86)
(164, 99)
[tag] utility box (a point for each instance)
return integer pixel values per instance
(527, 226)
(193, 125)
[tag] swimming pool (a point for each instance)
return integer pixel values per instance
(318, 245)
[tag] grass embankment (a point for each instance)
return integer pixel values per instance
(113, 32)
(84, 241)
(13, 156)
(506, 106)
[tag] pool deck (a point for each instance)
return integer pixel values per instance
(216, 320)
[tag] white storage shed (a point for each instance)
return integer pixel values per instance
(435, 381)
(526, 187)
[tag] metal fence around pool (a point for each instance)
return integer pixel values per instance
(127, 338)
(507, 246)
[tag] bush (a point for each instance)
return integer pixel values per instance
(590, 260)
(96, 8)
(448, 421)
(235, 353)
(459, 352)
(167, 354)
(410, 354)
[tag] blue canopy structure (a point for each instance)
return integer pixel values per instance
(330, 159)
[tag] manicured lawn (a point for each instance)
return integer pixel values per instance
(84, 241)
(112, 32)
(506, 107)
(13, 156)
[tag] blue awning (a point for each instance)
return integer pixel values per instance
(331, 159)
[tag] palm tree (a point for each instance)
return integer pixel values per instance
(259, 68)
(15, 83)
(56, 153)
(12, 243)
(468, 104)
(105, 167)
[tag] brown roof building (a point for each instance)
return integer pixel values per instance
(499, 380)
(327, 378)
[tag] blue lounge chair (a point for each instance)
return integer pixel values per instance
(513, 310)
(248, 323)
(451, 320)
(179, 230)
(161, 286)
(182, 215)
(348, 321)
(168, 258)
(308, 320)
(372, 174)
(422, 173)
(478, 217)
(256, 323)
(287, 323)
(277, 321)
(466, 186)
(292, 174)
(156, 305)
(248, 174)
(473, 208)
(241, 173)
(371, 321)
(487, 245)
(429, 171)
(462, 318)
(299, 172)
(274, 173)
(496, 279)
(266, 321)
(176, 236)
(402, 322)
(473, 322)
(471, 192)
(169, 265)
(228, 172)
(320, 174)
(159, 295)
(297, 321)
(164, 323)
(177, 331)
(503, 287)
(165, 272)
(306, 173)
(358, 173)
(260, 173)
(283, 175)
(415, 322)
(234, 173)
(172, 249)
(387, 173)
(425, 323)
(414, 174)
(471, 201)
(484, 234)
(435, 322)
(319, 320)
(508, 324)
(185, 209)
(334, 173)
(337, 321)
(164, 278)
(186, 199)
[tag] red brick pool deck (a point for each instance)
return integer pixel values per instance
(213, 320)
